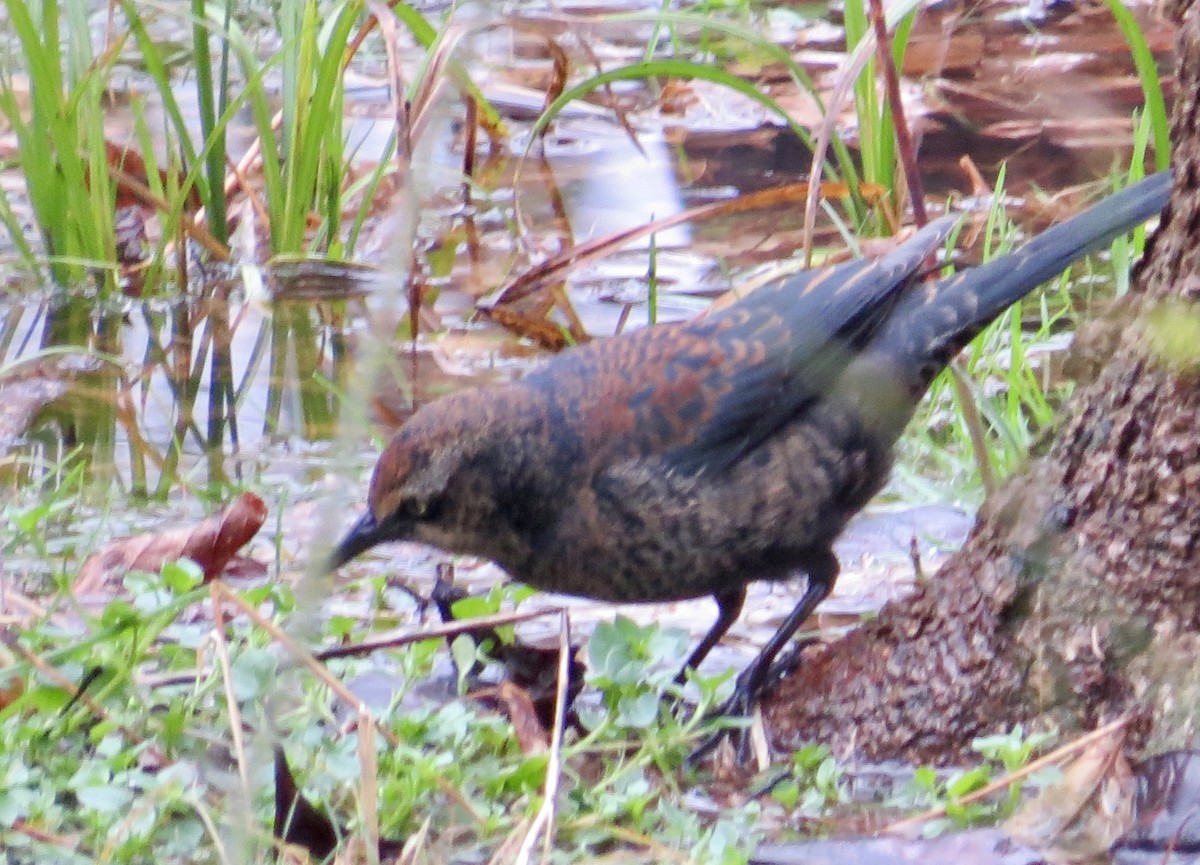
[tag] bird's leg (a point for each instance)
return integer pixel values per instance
(822, 573)
(729, 607)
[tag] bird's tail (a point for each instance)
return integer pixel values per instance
(933, 322)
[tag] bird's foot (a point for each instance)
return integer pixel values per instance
(739, 706)
(753, 682)
(749, 686)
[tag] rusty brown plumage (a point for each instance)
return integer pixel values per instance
(693, 458)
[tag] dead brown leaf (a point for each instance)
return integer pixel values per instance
(527, 727)
(212, 544)
(132, 177)
(1083, 814)
(10, 690)
(545, 333)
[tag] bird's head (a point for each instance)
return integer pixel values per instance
(408, 490)
(437, 481)
(420, 486)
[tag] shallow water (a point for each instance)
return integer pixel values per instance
(284, 377)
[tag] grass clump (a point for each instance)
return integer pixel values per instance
(60, 134)
(139, 732)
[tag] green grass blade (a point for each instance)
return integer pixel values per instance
(212, 190)
(684, 69)
(1143, 60)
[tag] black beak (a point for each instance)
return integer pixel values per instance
(363, 535)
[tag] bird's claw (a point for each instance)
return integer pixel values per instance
(753, 682)
(739, 705)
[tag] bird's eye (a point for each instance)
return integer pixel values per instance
(420, 509)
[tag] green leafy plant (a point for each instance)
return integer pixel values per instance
(632, 666)
(61, 139)
(1003, 754)
(814, 783)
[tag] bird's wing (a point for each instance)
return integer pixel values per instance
(929, 327)
(785, 345)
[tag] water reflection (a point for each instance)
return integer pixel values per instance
(214, 390)
(205, 382)
(197, 387)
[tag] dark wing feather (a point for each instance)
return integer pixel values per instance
(804, 329)
(929, 328)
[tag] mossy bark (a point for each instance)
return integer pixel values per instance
(1077, 596)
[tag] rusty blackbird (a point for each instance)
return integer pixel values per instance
(693, 458)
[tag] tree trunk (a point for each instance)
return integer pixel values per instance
(1077, 595)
